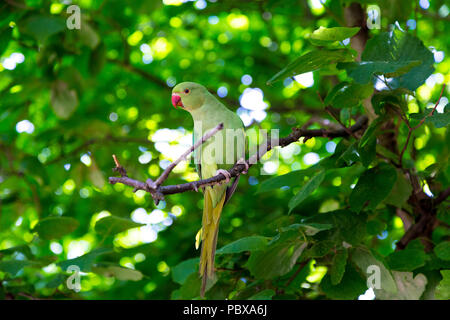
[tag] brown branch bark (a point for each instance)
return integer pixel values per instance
(422, 228)
(442, 196)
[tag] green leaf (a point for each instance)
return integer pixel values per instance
(111, 225)
(431, 171)
(251, 243)
(55, 227)
(290, 179)
(24, 249)
(443, 215)
(64, 101)
(5, 37)
(309, 229)
(311, 61)
(442, 250)
(443, 289)
(191, 287)
(278, 258)
(97, 59)
(319, 249)
(440, 120)
(395, 52)
(13, 267)
(301, 275)
(333, 92)
(373, 186)
(400, 192)
(434, 263)
(306, 190)
(337, 160)
(57, 280)
(350, 287)
(386, 152)
(42, 27)
(86, 261)
(323, 36)
(89, 36)
(349, 156)
(35, 168)
(363, 72)
(363, 259)
(263, 295)
(348, 95)
(338, 265)
(370, 132)
(118, 272)
(393, 98)
(182, 270)
(409, 288)
(375, 227)
(344, 115)
(368, 143)
(406, 260)
(367, 154)
(347, 225)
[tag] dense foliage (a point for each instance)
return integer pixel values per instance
(313, 225)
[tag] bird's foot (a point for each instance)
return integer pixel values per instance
(242, 161)
(225, 173)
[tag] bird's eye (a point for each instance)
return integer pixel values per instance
(187, 90)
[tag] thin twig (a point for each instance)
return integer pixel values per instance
(327, 109)
(411, 129)
(400, 157)
(116, 161)
(432, 111)
(121, 170)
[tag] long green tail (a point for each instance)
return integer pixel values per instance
(210, 229)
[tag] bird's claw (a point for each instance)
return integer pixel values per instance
(225, 173)
(242, 161)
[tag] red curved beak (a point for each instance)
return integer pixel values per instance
(176, 100)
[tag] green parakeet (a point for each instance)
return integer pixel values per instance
(215, 156)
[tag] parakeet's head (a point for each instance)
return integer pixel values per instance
(189, 95)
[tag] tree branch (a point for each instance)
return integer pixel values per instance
(295, 135)
(442, 197)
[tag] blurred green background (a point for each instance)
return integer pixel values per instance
(69, 99)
